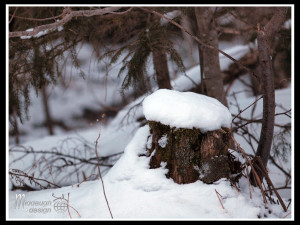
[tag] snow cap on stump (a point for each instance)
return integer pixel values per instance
(186, 110)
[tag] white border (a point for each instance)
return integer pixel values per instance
(158, 5)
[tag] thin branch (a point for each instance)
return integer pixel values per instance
(96, 143)
(66, 16)
(32, 178)
(241, 111)
(271, 184)
(217, 193)
(257, 179)
(38, 19)
(89, 160)
(279, 167)
(279, 188)
(68, 205)
(13, 15)
(286, 215)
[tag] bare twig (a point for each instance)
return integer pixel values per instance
(96, 143)
(247, 108)
(37, 19)
(19, 173)
(257, 179)
(66, 16)
(279, 188)
(217, 193)
(287, 215)
(13, 15)
(235, 187)
(68, 205)
(279, 167)
(86, 179)
(271, 184)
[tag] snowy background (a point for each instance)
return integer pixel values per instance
(133, 190)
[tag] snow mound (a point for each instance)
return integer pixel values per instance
(186, 110)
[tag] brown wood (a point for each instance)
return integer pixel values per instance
(210, 58)
(264, 38)
(161, 68)
(189, 154)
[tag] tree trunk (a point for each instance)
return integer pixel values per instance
(48, 119)
(160, 61)
(264, 38)
(161, 68)
(189, 154)
(210, 61)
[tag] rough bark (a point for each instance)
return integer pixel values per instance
(161, 68)
(189, 154)
(210, 61)
(264, 38)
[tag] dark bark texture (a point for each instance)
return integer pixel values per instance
(189, 154)
(264, 38)
(210, 57)
(161, 68)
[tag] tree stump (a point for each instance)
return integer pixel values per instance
(189, 154)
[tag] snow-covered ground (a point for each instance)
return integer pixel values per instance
(133, 190)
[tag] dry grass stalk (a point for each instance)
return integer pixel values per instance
(253, 170)
(217, 193)
(68, 207)
(271, 184)
(96, 143)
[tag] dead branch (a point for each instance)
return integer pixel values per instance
(96, 143)
(241, 111)
(217, 193)
(257, 179)
(18, 173)
(279, 167)
(66, 16)
(13, 15)
(265, 172)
